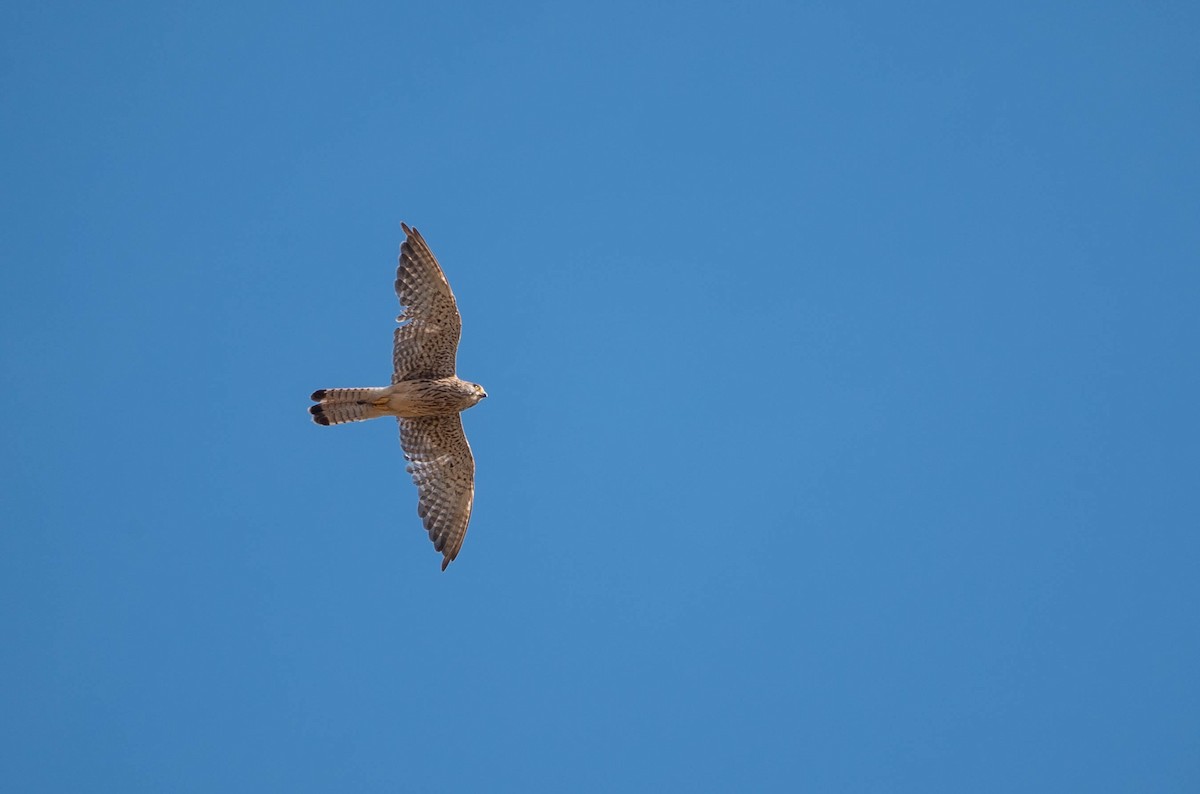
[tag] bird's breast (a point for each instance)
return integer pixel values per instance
(415, 398)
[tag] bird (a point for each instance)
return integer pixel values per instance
(426, 397)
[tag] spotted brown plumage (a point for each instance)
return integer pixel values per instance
(426, 342)
(441, 464)
(426, 396)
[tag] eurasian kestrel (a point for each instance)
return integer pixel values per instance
(426, 397)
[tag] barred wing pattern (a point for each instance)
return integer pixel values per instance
(441, 464)
(426, 342)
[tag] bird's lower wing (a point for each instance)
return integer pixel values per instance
(441, 465)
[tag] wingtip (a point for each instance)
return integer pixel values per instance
(404, 226)
(445, 562)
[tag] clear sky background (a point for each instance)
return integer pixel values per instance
(843, 422)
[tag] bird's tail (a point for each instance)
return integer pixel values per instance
(336, 406)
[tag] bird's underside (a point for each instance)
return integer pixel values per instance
(425, 396)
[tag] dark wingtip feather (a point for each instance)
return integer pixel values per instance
(318, 415)
(318, 395)
(445, 562)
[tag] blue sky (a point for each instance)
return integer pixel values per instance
(842, 432)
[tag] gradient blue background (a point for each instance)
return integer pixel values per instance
(843, 422)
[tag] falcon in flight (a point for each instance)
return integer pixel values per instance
(426, 397)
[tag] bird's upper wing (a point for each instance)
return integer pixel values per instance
(441, 464)
(427, 340)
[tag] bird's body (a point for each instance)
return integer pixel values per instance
(408, 399)
(426, 396)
